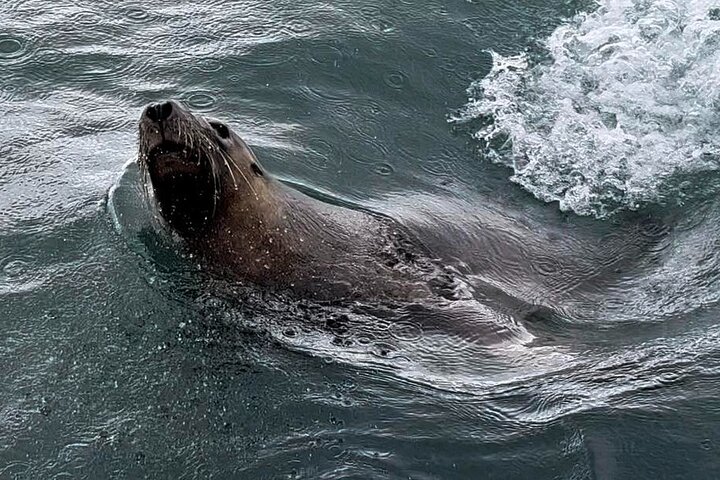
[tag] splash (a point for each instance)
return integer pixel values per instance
(622, 111)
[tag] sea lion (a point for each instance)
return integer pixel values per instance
(474, 259)
(212, 191)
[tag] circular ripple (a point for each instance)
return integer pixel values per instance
(8, 92)
(430, 52)
(298, 26)
(178, 23)
(321, 151)
(11, 47)
(290, 332)
(200, 100)
(384, 169)
(396, 79)
(321, 147)
(406, 330)
(326, 55)
(654, 235)
(17, 273)
(163, 43)
(364, 151)
(87, 18)
(137, 14)
(545, 266)
(15, 267)
(653, 230)
(258, 31)
(364, 339)
(331, 99)
(50, 56)
(201, 45)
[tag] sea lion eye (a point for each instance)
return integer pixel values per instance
(221, 129)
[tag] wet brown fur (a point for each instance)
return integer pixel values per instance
(261, 231)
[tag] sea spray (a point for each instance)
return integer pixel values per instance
(622, 108)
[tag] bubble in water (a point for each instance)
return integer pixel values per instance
(628, 103)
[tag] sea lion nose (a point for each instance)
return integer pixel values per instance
(159, 112)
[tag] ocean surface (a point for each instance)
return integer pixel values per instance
(586, 133)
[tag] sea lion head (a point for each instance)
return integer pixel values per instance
(194, 166)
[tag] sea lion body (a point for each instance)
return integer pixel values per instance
(210, 189)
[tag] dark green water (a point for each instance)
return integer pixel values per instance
(115, 365)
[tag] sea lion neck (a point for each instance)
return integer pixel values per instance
(277, 219)
(271, 237)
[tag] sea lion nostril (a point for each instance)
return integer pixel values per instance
(159, 111)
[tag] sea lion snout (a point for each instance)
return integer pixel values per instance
(159, 112)
(166, 124)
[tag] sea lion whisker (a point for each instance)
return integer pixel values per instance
(222, 154)
(215, 187)
(237, 167)
(231, 172)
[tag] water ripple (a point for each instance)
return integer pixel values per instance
(50, 56)
(8, 92)
(406, 330)
(384, 169)
(396, 79)
(326, 54)
(321, 153)
(298, 26)
(179, 23)
(12, 48)
(202, 45)
(85, 18)
(202, 100)
(137, 14)
(19, 273)
(208, 65)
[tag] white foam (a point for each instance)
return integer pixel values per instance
(626, 109)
